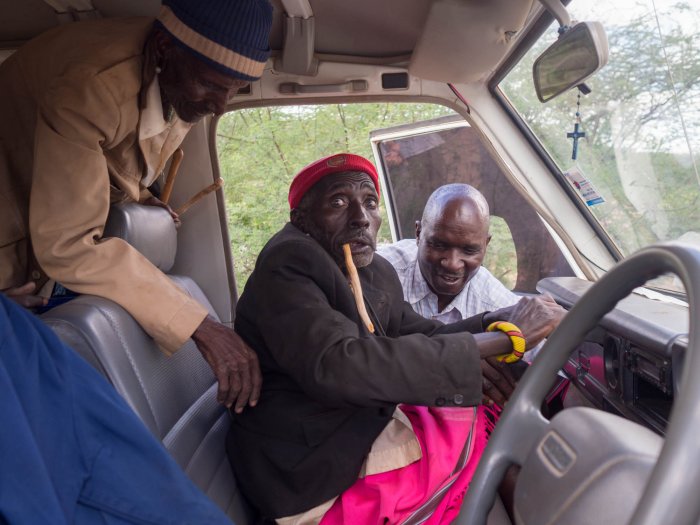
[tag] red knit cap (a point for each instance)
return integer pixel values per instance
(314, 172)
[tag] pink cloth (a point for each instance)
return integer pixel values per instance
(452, 441)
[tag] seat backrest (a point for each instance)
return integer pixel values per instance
(174, 396)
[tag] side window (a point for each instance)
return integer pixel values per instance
(261, 149)
(446, 150)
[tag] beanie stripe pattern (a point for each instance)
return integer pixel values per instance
(235, 42)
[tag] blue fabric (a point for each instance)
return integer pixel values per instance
(71, 449)
(240, 26)
(60, 295)
(243, 26)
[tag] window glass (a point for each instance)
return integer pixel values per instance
(418, 159)
(637, 167)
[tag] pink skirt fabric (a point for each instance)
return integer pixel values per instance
(430, 490)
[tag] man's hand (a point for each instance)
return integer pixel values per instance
(536, 316)
(235, 365)
(154, 201)
(24, 295)
(499, 381)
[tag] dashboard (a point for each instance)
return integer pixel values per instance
(631, 363)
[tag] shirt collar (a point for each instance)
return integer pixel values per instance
(460, 300)
(152, 122)
(419, 291)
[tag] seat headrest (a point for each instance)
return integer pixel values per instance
(149, 229)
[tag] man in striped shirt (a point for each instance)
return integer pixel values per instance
(440, 271)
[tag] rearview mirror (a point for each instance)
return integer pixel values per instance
(575, 56)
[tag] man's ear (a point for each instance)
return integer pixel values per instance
(298, 218)
(417, 231)
(163, 44)
(488, 240)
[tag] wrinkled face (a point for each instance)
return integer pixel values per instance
(344, 209)
(192, 87)
(451, 247)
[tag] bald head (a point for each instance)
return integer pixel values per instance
(455, 197)
(452, 238)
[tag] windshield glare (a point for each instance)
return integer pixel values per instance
(637, 166)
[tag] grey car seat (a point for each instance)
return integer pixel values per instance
(174, 396)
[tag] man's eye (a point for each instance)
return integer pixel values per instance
(337, 202)
(371, 204)
(211, 86)
(436, 245)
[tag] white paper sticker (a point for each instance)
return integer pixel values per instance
(584, 187)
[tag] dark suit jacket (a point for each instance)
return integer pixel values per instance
(329, 386)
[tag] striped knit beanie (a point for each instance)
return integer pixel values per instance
(230, 35)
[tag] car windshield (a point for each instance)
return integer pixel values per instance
(636, 168)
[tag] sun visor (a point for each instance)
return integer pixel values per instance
(465, 39)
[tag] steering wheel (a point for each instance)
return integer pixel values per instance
(671, 494)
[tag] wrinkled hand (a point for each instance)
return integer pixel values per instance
(154, 201)
(24, 295)
(536, 316)
(234, 364)
(499, 381)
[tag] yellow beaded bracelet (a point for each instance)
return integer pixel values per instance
(516, 339)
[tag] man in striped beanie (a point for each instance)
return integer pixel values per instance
(203, 51)
(92, 112)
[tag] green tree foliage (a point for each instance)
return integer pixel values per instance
(501, 258)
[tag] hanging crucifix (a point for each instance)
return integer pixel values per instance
(576, 134)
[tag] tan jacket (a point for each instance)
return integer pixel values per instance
(78, 130)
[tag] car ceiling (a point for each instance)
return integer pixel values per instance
(440, 39)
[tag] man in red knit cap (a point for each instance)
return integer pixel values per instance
(367, 410)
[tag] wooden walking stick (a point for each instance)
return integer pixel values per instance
(357, 288)
(172, 173)
(200, 195)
